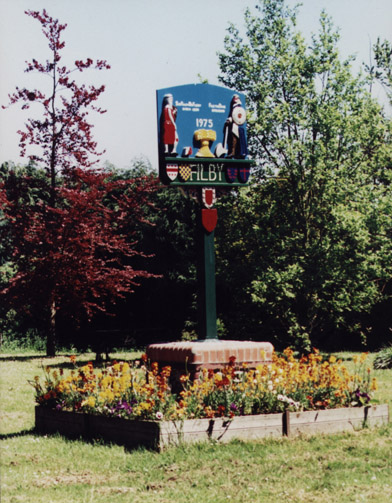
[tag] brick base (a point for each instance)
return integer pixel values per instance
(192, 356)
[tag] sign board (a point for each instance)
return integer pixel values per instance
(202, 136)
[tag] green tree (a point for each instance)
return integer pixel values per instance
(311, 240)
(382, 69)
(164, 306)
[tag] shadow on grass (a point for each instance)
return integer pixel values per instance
(10, 358)
(345, 358)
(22, 433)
(97, 364)
(76, 438)
(82, 360)
(20, 358)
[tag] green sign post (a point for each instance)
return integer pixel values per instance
(207, 291)
(191, 156)
(204, 177)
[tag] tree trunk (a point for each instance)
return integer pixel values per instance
(51, 337)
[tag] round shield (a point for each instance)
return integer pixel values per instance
(239, 115)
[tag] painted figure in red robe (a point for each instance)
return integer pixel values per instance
(169, 136)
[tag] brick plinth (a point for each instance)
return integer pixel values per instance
(211, 354)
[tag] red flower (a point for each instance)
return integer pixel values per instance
(221, 410)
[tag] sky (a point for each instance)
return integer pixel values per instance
(150, 45)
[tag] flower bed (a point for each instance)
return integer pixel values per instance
(227, 401)
(160, 433)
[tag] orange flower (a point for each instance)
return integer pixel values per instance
(209, 412)
(166, 371)
(221, 410)
(222, 381)
(363, 357)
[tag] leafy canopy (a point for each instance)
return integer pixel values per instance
(316, 226)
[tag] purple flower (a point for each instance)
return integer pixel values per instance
(362, 394)
(123, 405)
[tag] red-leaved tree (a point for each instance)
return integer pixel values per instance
(73, 245)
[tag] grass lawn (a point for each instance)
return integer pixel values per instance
(353, 467)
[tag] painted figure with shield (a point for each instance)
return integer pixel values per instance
(234, 130)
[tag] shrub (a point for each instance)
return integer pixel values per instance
(383, 359)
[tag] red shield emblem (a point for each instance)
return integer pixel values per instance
(208, 196)
(172, 171)
(209, 219)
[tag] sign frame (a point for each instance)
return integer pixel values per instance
(202, 136)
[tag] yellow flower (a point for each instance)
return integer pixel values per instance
(106, 396)
(125, 367)
(89, 402)
(116, 367)
(363, 357)
(137, 411)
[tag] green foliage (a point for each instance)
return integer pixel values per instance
(163, 308)
(15, 343)
(383, 360)
(28, 186)
(172, 301)
(310, 241)
(382, 69)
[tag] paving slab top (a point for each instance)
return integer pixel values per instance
(210, 352)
